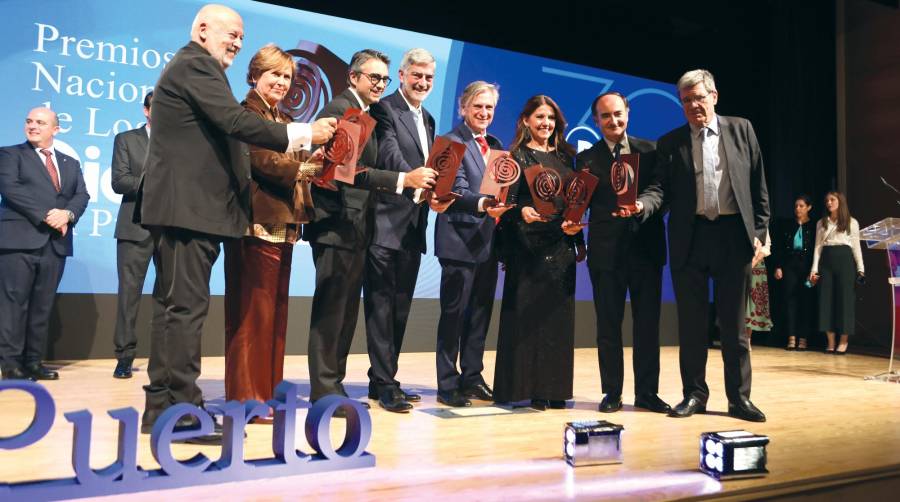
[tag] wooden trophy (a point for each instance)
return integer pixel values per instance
(577, 194)
(623, 177)
(445, 158)
(501, 172)
(546, 186)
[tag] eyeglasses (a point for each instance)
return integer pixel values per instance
(688, 100)
(374, 78)
(419, 76)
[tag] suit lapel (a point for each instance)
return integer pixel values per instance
(40, 162)
(429, 127)
(406, 118)
(472, 146)
(686, 150)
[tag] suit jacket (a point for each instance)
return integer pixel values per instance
(612, 240)
(783, 243)
(129, 153)
(399, 222)
(277, 196)
(197, 174)
(344, 218)
(27, 194)
(675, 183)
(462, 233)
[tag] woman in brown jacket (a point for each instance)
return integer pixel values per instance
(258, 266)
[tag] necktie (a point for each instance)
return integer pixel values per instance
(617, 152)
(483, 144)
(51, 169)
(710, 190)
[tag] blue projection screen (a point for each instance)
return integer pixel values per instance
(93, 62)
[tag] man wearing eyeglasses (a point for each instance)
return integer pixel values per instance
(341, 230)
(710, 173)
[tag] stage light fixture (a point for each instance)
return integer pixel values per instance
(733, 454)
(592, 442)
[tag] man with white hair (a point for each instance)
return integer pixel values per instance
(710, 173)
(405, 133)
(195, 194)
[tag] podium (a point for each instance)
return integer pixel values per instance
(886, 235)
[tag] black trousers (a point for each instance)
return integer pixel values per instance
(837, 297)
(388, 287)
(184, 261)
(799, 300)
(132, 260)
(719, 251)
(644, 280)
(28, 282)
(467, 301)
(335, 308)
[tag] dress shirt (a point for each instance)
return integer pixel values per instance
(364, 107)
(476, 135)
(827, 235)
(626, 148)
(55, 160)
(722, 179)
(420, 124)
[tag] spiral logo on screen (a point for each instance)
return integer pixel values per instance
(576, 192)
(341, 148)
(444, 160)
(547, 185)
(504, 171)
(622, 177)
(319, 75)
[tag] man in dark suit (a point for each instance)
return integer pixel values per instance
(195, 193)
(42, 196)
(710, 173)
(134, 245)
(341, 230)
(405, 134)
(464, 245)
(624, 256)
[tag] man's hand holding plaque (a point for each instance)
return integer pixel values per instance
(343, 150)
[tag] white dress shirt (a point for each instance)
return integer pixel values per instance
(714, 150)
(828, 235)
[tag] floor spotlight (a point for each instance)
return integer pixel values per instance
(592, 442)
(733, 454)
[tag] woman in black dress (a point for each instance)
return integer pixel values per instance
(535, 350)
(793, 256)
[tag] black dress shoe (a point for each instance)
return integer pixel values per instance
(745, 410)
(539, 404)
(651, 402)
(16, 374)
(411, 397)
(688, 407)
(190, 422)
(40, 372)
(392, 400)
(123, 368)
(478, 391)
(610, 404)
(556, 405)
(453, 398)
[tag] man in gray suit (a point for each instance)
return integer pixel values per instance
(710, 173)
(134, 245)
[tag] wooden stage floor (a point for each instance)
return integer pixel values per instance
(825, 423)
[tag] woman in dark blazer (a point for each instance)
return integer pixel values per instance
(258, 266)
(793, 256)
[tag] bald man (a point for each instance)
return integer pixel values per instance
(42, 195)
(195, 194)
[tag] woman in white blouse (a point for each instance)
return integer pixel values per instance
(836, 257)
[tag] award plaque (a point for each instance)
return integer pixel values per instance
(341, 154)
(445, 157)
(623, 177)
(366, 126)
(578, 194)
(546, 186)
(501, 172)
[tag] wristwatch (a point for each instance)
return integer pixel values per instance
(71, 216)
